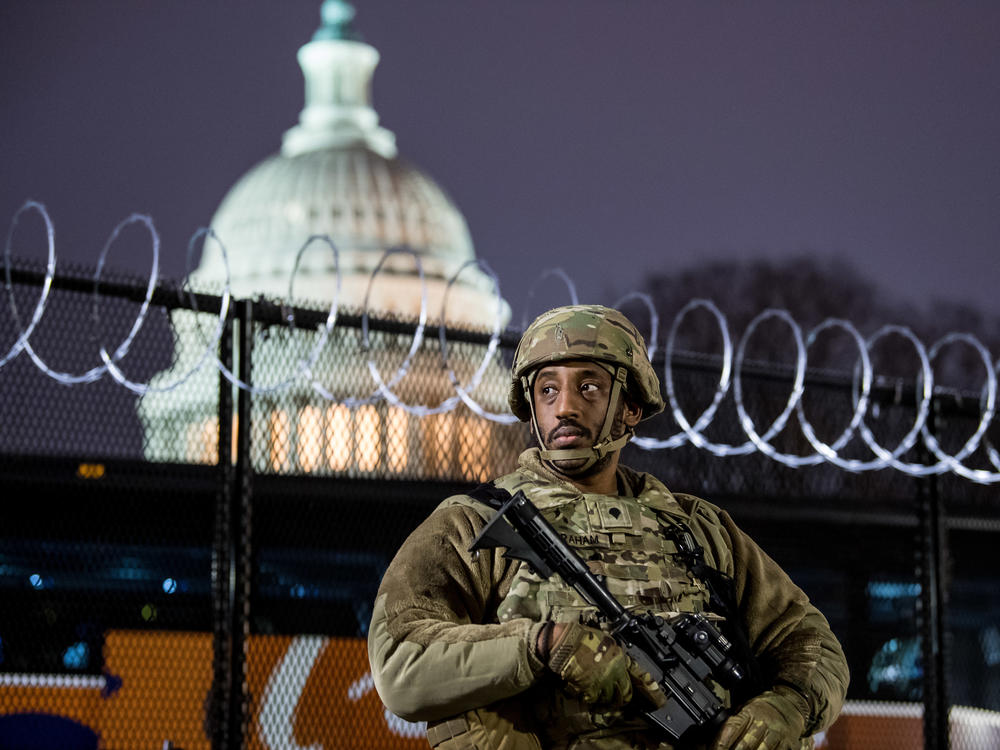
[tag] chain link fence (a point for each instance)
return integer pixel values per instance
(191, 546)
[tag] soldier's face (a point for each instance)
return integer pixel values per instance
(571, 400)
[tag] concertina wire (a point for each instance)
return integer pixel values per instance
(693, 433)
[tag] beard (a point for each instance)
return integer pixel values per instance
(574, 467)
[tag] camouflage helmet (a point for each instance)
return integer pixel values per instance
(591, 332)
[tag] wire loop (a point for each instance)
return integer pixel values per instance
(50, 272)
(731, 362)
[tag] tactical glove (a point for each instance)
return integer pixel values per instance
(770, 721)
(594, 668)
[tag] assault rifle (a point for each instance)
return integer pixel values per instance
(679, 655)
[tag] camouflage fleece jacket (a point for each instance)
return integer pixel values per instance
(452, 634)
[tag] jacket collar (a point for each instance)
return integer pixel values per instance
(549, 490)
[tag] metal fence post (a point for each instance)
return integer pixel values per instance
(932, 553)
(217, 709)
(231, 563)
(240, 539)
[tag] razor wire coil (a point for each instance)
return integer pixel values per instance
(732, 363)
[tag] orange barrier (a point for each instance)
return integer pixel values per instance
(316, 693)
(305, 691)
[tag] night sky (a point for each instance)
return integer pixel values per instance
(610, 139)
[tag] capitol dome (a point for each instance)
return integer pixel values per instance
(338, 174)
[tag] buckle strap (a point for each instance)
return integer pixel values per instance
(446, 730)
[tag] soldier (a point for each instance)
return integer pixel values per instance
(493, 656)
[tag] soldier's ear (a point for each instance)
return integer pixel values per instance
(632, 413)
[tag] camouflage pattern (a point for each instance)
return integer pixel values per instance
(592, 666)
(453, 633)
(770, 720)
(589, 332)
(621, 539)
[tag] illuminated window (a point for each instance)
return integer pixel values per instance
(472, 452)
(438, 430)
(203, 441)
(338, 437)
(309, 438)
(366, 432)
(397, 438)
(280, 441)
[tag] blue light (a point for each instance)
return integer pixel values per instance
(37, 582)
(989, 641)
(298, 591)
(169, 585)
(895, 670)
(892, 590)
(76, 656)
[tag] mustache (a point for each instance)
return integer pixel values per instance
(568, 426)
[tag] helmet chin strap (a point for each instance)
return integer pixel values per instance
(604, 444)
